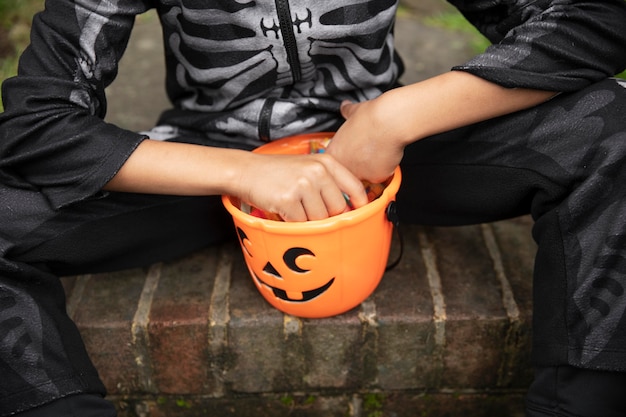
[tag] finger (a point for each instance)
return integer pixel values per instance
(346, 108)
(324, 201)
(353, 189)
(357, 198)
(307, 201)
(349, 184)
(315, 207)
(324, 198)
(336, 201)
(294, 213)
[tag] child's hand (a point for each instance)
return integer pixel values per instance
(299, 187)
(365, 144)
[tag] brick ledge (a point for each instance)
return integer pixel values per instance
(452, 317)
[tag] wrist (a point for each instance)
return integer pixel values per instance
(394, 116)
(231, 166)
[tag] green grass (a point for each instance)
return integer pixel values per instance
(15, 19)
(456, 22)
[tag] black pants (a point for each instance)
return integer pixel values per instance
(564, 391)
(557, 392)
(562, 162)
(42, 356)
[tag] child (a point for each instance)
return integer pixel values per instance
(533, 125)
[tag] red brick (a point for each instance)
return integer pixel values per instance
(332, 350)
(476, 320)
(104, 317)
(518, 250)
(407, 357)
(255, 338)
(179, 325)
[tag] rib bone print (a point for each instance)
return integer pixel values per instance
(231, 59)
(229, 55)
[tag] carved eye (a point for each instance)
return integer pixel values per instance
(291, 255)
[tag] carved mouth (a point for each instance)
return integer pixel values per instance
(306, 295)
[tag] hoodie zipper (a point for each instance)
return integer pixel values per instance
(289, 38)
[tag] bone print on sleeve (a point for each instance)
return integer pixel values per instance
(555, 45)
(52, 136)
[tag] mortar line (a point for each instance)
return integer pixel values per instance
(508, 298)
(218, 310)
(511, 353)
(139, 327)
(434, 282)
(292, 325)
(219, 316)
(368, 314)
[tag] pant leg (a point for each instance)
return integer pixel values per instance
(81, 405)
(565, 391)
(124, 231)
(42, 356)
(564, 163)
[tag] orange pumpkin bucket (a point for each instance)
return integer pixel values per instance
(318, 268)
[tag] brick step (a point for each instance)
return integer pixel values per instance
(448, 329)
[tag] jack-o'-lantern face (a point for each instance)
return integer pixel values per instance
(298, 277)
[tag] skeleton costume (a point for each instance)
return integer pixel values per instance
(240, 73)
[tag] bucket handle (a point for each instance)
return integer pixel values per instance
(392, 215)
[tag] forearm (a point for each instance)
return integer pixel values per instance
(297, 187)
(178, 169)
(449, 101)
(378, 130)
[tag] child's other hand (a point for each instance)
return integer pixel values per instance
(366, 144)
(299, 187)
